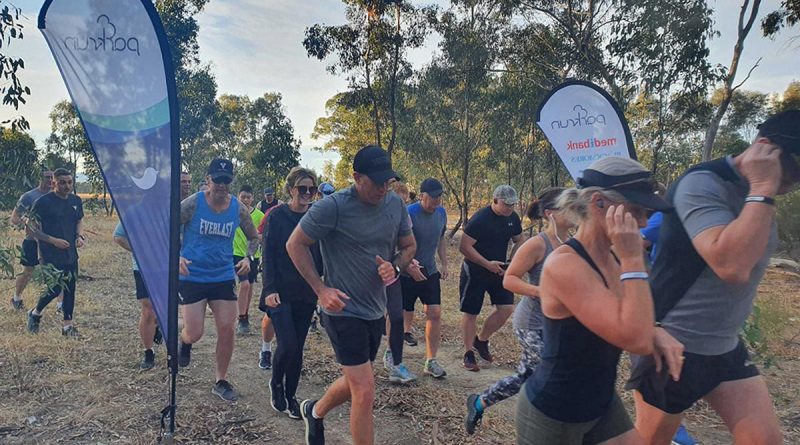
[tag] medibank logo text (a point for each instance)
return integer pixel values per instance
(591, 143)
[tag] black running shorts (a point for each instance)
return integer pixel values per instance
(475, 282)
(141, 289)
(252, 275)
(190, 292)
(428, 291)
(355, 341)
(699, 376)
(30, 253)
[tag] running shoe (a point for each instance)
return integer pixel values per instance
(409, 339)
(434, 369)
(185, 354)
(158, 338)
(293, 408)
(265, 361)
(474, 416)
(243, 327)
(682, 437)
(401, 374)
(277, 397)
(18, 304)
(149, 360)
(315, 428)
(33, 322)
(483, 349)
(470, 362)
(388, 360)
(71, 332)
(312, 328)
(224, 390)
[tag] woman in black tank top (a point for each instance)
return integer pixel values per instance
(596, 303)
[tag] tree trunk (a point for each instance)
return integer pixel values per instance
(727, 87)
(393, 86)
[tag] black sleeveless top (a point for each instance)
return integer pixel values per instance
(575, 380)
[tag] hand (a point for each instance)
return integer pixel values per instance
(80, 241)
(332, 300)
(414, 271)
(666, 348)
(443, 274)
(623, 230)
(60, 243)
(273, 300)
(243, 266)
(183, 266)
(385, 269)
(761, 166)
(496, 267)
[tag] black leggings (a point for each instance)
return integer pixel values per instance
(291, 322)
(394, 307)
(69, 274)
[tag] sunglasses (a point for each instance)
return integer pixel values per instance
(305, 190)
(222, 180)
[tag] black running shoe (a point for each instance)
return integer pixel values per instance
(315, 428)
(158, 338)
(265, 361)
(243, 327)
(33, 322)
(277, 397)
(483, 349)
(293, 408)
(224, 390)
(409, 339)
(149, 360)
(474, 416)
(17, 304)
(185, 354)
(469, 361)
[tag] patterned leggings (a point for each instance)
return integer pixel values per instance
(532, 346)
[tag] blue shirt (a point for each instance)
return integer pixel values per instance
(208, 243)
(428, 230)
(650, 233)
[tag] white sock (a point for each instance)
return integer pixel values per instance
(314, 412)
(266, 346)
(17, 297)
(36, 312)
(60, 304)
(64, 328)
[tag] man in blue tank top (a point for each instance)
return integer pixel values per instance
(210, 220)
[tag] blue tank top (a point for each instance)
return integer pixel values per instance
(528, 313)
(575, 380)
(208, 243)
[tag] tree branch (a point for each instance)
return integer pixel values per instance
(748, 75)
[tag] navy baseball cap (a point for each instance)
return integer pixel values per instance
(269, 191)
(221, 169)
(374, 162)
(629, 178)
(326, 188)
(432, 187)
(783, 129)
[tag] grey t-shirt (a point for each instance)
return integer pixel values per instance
(428, 231)
(528, 314)
(25, 203)
(709, 317)
(350, 234)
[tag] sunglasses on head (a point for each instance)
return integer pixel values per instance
(305, 190)
(222, 180)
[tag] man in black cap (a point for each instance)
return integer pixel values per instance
(359, 230)
(269, 200)
(421, 279)
(210, 220)
(713, 252)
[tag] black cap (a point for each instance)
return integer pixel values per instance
(783, 129)
(432, 187)
(629, 178)
(374, 162)
(269, 191)
(221, 168)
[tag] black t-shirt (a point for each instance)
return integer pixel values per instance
(492, 233)
(264, 205)
(58, 217)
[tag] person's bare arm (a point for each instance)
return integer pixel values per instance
(518, 241)
(441, 251)
(407, 247)
(16, 218)
(249, 229)
(188, 207)
(299, 249)
(123, 242)
(530, 253)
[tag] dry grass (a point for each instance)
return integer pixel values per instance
(56, 390)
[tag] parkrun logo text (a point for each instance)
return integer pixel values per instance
(105, 40)
(582, 118)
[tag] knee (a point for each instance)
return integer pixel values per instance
(505, 310)
(191, 335)
(433, 313)
(244, 286)
(363, 392)
(763, 435)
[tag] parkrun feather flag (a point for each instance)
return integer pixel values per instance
(115, 61)
(583, 124)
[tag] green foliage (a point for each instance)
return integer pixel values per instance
(788, 218)
(787, 15)
(11, 87)
(18, 172)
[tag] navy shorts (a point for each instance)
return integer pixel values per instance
(428, 291)
(252, 275)
(475, 282)
(699, 376)
(355, 341)
(30, 253)
(141, 289)
(190, 292)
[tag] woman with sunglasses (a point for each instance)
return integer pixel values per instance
(286, 297)
(596, 302)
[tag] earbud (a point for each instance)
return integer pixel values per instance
(601, 203)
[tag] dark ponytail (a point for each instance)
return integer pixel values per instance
(546, 201)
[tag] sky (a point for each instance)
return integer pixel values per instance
(255, 46)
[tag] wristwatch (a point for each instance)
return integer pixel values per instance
(396, 269)
(251, 258)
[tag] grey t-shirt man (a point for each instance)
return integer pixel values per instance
(25, 203)
(428, 231)
(350, 235)
(708, 318)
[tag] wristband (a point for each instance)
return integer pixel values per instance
(760, 199)
(633, 276)
(82, 237)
